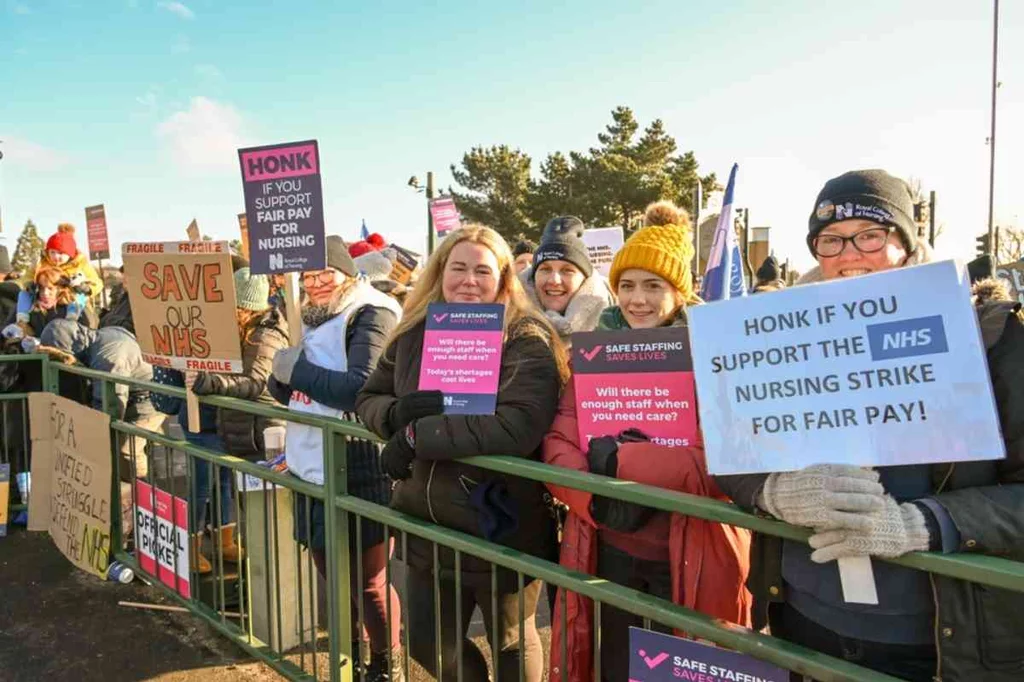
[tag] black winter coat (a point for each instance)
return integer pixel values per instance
(440, 485)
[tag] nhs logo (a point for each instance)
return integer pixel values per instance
(907, 338)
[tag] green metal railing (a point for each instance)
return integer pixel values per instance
(341, 506)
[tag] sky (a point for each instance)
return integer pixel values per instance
(141, 105)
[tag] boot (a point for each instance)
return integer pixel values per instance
(200, 564)
(232, 552)
(380, 671)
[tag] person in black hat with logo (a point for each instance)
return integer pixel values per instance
(924, 627)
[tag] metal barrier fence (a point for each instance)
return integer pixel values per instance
(256, 623)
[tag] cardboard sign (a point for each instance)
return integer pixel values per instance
(656, 657)
(96, 230)
(162, 539)
(284, 207)
(880, 370)
(445, 215)
(1013, 275)
(640, 379)
(462, 355)
(5, 496)
(602, 245)
(183, 301)
(405, 264)
(71, 479)
(243, 231)
(193, 231)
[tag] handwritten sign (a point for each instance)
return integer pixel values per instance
(162, 538)
(183, 301)
(445, 215)
(284, 207)
(96, 231)
(602, 245)
(880, 370)
(639, 379)
(1013, 275)
(656, 657)
(462, 355)
(71, 458)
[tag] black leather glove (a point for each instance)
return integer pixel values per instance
(603, 456)
(397, 456)
(413, 406)
(624, 517)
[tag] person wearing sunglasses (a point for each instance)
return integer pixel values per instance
(924, 626)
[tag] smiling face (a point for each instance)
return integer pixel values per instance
(884, 248)
(646, 300)
(319, 285)
(57, 257)
(556, 282)
(471, 274)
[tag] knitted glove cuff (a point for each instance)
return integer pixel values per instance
(918, 537)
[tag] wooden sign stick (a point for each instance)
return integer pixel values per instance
(291, 308)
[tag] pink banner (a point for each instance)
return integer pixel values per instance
(445, 215)
(462, 355)
(275, 163)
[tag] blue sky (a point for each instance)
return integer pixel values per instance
(140, 105)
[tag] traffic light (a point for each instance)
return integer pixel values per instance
(983, 244)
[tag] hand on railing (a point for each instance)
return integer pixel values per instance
(824, 496)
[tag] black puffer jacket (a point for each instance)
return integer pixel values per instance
(978, 629)
(242, 432)
(440, 485)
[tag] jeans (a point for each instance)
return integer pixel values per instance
(202, 482)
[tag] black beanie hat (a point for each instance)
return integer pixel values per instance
(868, 195)
(563, 240)
(769, 270)
(338, 256)
(980, 268)
(523, 246)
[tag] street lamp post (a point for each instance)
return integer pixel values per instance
(992, 133)
(429, 191)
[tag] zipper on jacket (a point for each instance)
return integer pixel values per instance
(938, 643)
(430, 507)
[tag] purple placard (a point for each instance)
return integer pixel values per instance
(284, 207)
(445, 215)
(656, 657)
(462, 355)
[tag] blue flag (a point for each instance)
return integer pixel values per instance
(723, 278)
(364, 233)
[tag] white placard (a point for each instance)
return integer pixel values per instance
(602, 245)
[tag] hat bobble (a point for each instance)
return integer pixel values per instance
(251, 291)
(664, 247)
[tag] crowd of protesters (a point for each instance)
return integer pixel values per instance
(359, 359)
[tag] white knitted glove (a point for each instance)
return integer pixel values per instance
(823, 496)
(896, 530)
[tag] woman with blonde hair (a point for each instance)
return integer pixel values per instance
(473, 265)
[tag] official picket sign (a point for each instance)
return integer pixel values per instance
(182, 297)
(284, 207)
(657, 657)
(639, 379)
(880, 370)
(96, 231)
(462, 355)
(602, 245)
(444, 215)
(162, 538)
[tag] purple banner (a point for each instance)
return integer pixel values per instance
(284, 207)
(462, 355)
(444, 215)
(656, 657)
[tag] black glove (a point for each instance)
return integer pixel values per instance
(411, 407)
(397, 456)
(619, 515)
(603, 456)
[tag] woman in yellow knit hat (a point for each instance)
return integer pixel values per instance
(695, 563)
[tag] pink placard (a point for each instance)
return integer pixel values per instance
(280, 162)
(445, 215)
(162, 538)
(462, 355)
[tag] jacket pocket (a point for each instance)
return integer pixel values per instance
(999, 627)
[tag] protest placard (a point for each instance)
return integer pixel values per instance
(640, 379)
(404, 265)
(243, 231)
(445, 215)
(193, 231)
(96, 231)
(5, 496)
(602, 245)
(657, 657)
(162, 538)
(880, 370)
(71, 479)
(284, 207)
(462, 355)
(183, 303)
(1013, 275)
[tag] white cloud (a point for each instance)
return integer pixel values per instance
(31, 156)
(148, 101)
(204, 139)
(19, 8)
(208, 71)
(178, 9)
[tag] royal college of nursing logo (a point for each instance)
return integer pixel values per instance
(825, 210)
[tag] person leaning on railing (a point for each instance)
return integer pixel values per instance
(472, 265)
(925, 626)
(345, 323)
(695, 563)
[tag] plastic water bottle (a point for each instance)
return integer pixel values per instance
(119, 573)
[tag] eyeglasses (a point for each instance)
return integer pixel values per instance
(866, 241)
(324, 277)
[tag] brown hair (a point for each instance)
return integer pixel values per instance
(247, 321)
(49, 276)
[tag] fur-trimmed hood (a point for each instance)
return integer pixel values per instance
(584, 310)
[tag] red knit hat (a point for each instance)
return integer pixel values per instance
(63, 240)
(374, 242)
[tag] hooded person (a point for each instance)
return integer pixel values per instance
(62, 252)
(924, 627)
(695, 563)
(563, 283)
(769, 276)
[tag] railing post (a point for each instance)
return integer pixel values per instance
(50, 375)
(339, 620)
(110, 407)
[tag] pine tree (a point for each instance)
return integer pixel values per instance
(29, 248)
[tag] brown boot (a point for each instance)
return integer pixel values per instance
(200, 564)
(232, 551)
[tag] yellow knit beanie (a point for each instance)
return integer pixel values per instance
(664, 247)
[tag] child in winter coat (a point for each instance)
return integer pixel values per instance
(62, 253)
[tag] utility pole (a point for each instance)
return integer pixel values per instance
(698, 200)
(992, 133)
(431, 238)
(931, 219)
